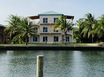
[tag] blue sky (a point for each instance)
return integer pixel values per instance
(77, 8)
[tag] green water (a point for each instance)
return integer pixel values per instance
(56, 63)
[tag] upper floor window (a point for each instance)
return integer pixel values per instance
(55, 20)
(45, 20)
(45, 29)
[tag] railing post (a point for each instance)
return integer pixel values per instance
(39, 67)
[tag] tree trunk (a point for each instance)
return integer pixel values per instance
(26, 40)
(26, 35)
(65, 37)
(92, 39)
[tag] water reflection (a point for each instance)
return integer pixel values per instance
(94, 61)
(21, 64)
(3, 62)
(56, 63)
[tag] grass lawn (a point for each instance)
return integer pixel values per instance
(53, 44)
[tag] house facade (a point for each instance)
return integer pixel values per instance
(45, 31)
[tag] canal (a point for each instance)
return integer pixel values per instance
(56, 63)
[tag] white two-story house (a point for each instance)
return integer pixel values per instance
(46, 32)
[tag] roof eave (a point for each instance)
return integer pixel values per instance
(50, 14)
(69, 17)
(34, 17)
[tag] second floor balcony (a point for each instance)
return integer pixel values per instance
(39, 31)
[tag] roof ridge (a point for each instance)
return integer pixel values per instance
(50, 12)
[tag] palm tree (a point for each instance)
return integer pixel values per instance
(20, 29)
(25, 29)
(100, 29)
(77, 36)
(10, 30)
(77, 33)
(90, 26)
(64, 25)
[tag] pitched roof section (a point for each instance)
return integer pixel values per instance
(51, 13)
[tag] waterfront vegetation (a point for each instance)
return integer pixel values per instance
(54, 44)
(19, 29)
(88, 30)
(64, 25)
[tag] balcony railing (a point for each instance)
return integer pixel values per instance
(52, 32)
(39, 31)
(35, 23)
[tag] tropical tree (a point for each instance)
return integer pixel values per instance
(20, 29)
(90, 29)
(64, 25)
(78, 35)
(90, 26)
(25, 29)
(13, 23)
(100, 29)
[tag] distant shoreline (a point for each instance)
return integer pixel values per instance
(51, 48)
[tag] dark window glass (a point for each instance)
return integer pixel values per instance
(45, 20)
(45, 38)
(34, 38)
(45, 29)
(67, 39)
(55, 20)
(56, 38)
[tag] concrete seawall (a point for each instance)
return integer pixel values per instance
(50, 48)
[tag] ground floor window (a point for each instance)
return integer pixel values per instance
(67, 39)
(56, 38)
(55, 30)
(45, 38)
(35, 39)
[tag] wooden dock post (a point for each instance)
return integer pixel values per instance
(39, 66)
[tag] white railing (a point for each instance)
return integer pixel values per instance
(52, 31)
(35, 23)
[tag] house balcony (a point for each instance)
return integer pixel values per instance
(35, 23)
(47, 23)
(54, 32)
(49, 32)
